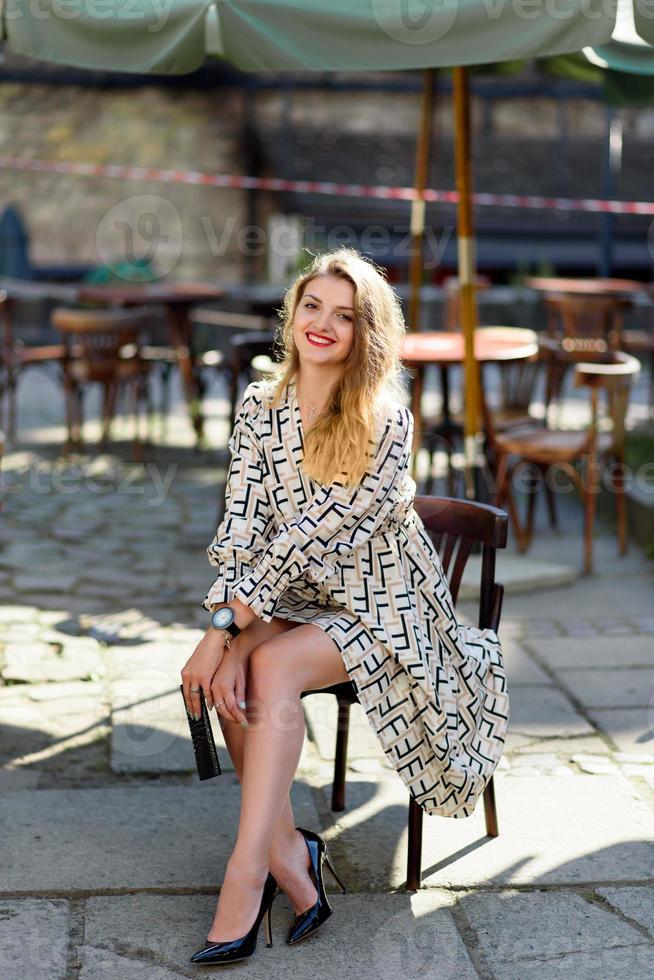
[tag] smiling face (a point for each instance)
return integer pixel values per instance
(323, 325)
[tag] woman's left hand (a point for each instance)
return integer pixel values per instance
(228, 686)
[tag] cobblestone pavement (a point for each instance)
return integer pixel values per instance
(113, 851)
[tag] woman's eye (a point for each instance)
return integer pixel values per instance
(307, 305)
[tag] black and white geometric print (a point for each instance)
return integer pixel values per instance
(358, 563)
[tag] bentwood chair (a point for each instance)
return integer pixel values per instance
(455, 527)
(579, 453)
(596, 321)
(102, 347)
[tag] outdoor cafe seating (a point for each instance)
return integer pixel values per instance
(102, 347)
(581, 453)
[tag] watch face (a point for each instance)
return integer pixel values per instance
(222, 618)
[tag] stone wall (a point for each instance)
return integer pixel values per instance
(203, 232)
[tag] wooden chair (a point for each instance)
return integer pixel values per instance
(102, 348)
(15, 358)
(578, 453)
(243, 348)
(455, 528)
(596, 320)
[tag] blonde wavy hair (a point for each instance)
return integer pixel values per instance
(337, 446)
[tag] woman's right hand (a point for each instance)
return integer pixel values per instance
(199, 669)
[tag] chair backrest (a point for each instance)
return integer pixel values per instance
(455, 527)
(97, 337)
(452, 299)
(615, 378)
(596, 317)
(245, 346)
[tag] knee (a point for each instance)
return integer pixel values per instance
(265, 665)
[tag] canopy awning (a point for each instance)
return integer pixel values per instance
(175, 36)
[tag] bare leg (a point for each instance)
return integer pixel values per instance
(280, 668)
(288, 858)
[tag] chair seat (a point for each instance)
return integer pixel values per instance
(541, 445)
(636, 341)
(158, 353)
(39, 354)
(120, 371)
(210, 358)
(346, 690)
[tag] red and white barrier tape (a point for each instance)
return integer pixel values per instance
(160, 175)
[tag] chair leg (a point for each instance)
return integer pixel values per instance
(532, 490)
(621, 513)
(414, 853)
(590, 495)
(108, 410)
(550, 500)
(137, 449)
(490, 809)
(340, 760)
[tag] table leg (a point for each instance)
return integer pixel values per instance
(416, 408)
(180, 326)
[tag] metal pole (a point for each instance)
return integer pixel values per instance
(467, 270)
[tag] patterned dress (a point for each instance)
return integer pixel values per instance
(359, 564)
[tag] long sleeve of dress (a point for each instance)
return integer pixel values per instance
(335, 521)
(247, 523)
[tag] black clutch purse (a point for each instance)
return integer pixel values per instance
(204, 747)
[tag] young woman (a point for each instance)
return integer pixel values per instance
(326, 574)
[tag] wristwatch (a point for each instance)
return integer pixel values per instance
(223, 619)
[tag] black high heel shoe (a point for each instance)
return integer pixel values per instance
(310, 920)
(239, 949)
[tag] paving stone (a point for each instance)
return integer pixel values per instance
(519, 573)
(101, 964)
(53, 721)
(542, 712)
(38, 662)
(18, 779)
(610, 688)
(138, 836)
(595, 764)
(633, 962)
(33, 938)
(632, 729)
(38, 581)
(635, 903)
(520, 667)
(18, 613)
(321, 711)
(554, 829)
(381, 936)
(600, 651)
(150, 730)
(513, 927)
(564, 746)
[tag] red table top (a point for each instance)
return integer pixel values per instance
(591, 287)
(165, 293)
(491, 344)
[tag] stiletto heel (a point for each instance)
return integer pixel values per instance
(307, 922)
(213, 953)
(268, 926)
(333, 872)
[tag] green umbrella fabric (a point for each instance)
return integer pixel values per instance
(174, 36)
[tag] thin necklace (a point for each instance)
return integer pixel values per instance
(311, 407)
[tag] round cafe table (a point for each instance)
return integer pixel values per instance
(445, 349)
(177, 298)
(595, 286)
